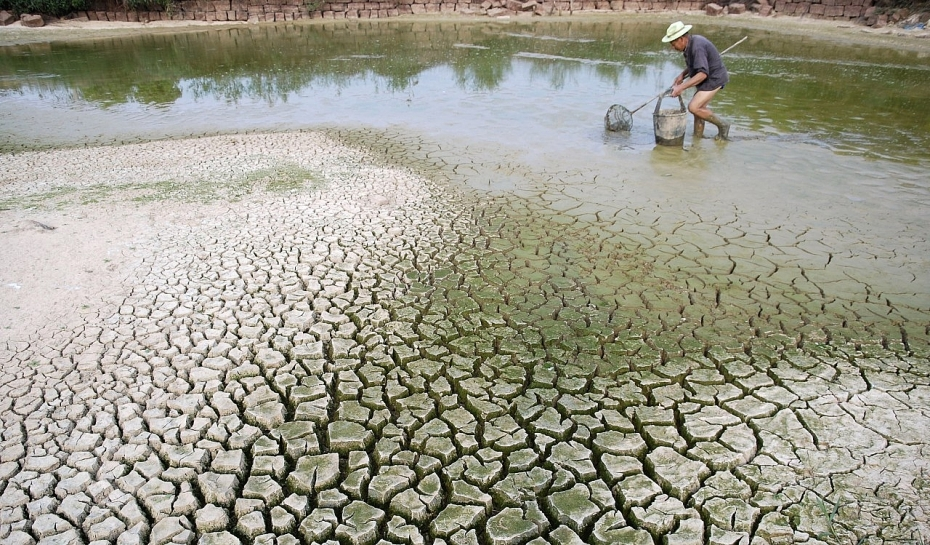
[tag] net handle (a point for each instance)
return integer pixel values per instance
(643, 105)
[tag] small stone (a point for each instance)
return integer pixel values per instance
(33, 21)
(232, 461)
(690, 531)
(297, 504)
(619, 444)
(509, 527)
(637, 490)
(388, 482)
(251, 524)
(219, 538)
(265, 488)
(314, 473)
(573, 507)
(318, 526)
(468, 494)
(455, 518)
(360, 523)
(108, 530)
(41, 464)
(211, 518)
(18, 537)
(49, 525)
(218, 488)
(169, 530)
(282, 522)
(345, 437)
(678, 475)
(74, 508)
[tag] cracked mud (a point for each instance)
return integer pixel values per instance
(349, 352)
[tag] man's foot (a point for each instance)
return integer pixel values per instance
(723, 128)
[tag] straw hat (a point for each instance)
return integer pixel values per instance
(675, 30)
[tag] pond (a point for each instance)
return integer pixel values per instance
(472, 80)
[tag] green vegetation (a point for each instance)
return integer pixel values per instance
(282, 178)
(149, 5)
(60, 8)
(913, 5)
(55, 8)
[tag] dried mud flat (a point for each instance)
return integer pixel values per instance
(280, 338)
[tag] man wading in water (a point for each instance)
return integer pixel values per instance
(705, 71)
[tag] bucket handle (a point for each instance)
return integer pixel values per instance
(681, 103)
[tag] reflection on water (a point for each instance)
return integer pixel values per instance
(552, 78)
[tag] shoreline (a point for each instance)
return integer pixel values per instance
(889, 36)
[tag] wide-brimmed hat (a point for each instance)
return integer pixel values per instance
(675, 30)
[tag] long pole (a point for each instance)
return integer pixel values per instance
(734, 45)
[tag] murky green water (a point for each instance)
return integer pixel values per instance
(487, 81)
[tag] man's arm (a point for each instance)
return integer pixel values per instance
(680, 86)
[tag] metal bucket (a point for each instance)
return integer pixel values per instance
(670, 125)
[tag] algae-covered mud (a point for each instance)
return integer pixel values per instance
(417, 335)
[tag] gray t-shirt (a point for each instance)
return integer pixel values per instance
(702, 56)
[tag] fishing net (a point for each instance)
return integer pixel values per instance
(618, 118)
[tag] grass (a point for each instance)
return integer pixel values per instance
(279, 179)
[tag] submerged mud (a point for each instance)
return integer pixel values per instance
(346, 351)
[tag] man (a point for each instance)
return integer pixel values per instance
(705, 71)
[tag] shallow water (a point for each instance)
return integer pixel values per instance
(480, 81)
(829, 139)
